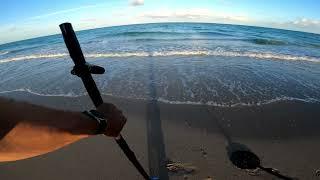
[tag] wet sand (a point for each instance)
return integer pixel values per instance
(285, 135)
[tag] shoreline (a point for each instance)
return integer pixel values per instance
(283, 115)
(165, 101)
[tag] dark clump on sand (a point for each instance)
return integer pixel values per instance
(285, 135)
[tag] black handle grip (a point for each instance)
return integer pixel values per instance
(72, 44)
(76, 55)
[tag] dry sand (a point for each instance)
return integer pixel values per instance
(285, 136)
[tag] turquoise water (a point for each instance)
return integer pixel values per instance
(189, 63)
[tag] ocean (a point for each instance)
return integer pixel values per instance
(176, 63)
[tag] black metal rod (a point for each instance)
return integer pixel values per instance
(131, 156)
(76, 55)
(277, 174)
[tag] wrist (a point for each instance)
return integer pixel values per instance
(99, 118)
(85, 125)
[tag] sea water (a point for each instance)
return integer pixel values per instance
(179, 63)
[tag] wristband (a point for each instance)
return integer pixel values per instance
(97, 116)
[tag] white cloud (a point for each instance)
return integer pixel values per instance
(136, 2)
(62, 12)
(209, 15)
(299, 24)
(198, 14)
(165, 13)
(305, 22)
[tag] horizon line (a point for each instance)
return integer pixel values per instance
(88, 29)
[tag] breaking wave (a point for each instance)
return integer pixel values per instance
(222, 53)
(35, 56)
(3, 53)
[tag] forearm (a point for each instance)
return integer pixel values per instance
(38, 130)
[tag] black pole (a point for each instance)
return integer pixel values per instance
(275, 173)
(76, 55)
(84, 72)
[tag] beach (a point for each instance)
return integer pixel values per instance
(189, 91)
(286, 140)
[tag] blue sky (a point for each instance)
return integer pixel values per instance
(33, 18)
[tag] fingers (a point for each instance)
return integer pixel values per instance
(122, 122)
(115, 126)
(115, 119)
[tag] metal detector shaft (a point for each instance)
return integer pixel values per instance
(76, 55)
(277, 174)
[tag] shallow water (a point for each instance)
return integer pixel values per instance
(183, 63)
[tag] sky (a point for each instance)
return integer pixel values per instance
(34, 18)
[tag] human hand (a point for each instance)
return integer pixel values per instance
(115, 119)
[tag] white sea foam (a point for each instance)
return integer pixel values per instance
(217, 104)
(222, 53)
(30, 57)
(124, 54)
(70, 94)
(163, 100)
(209, 53)
(3, 53)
